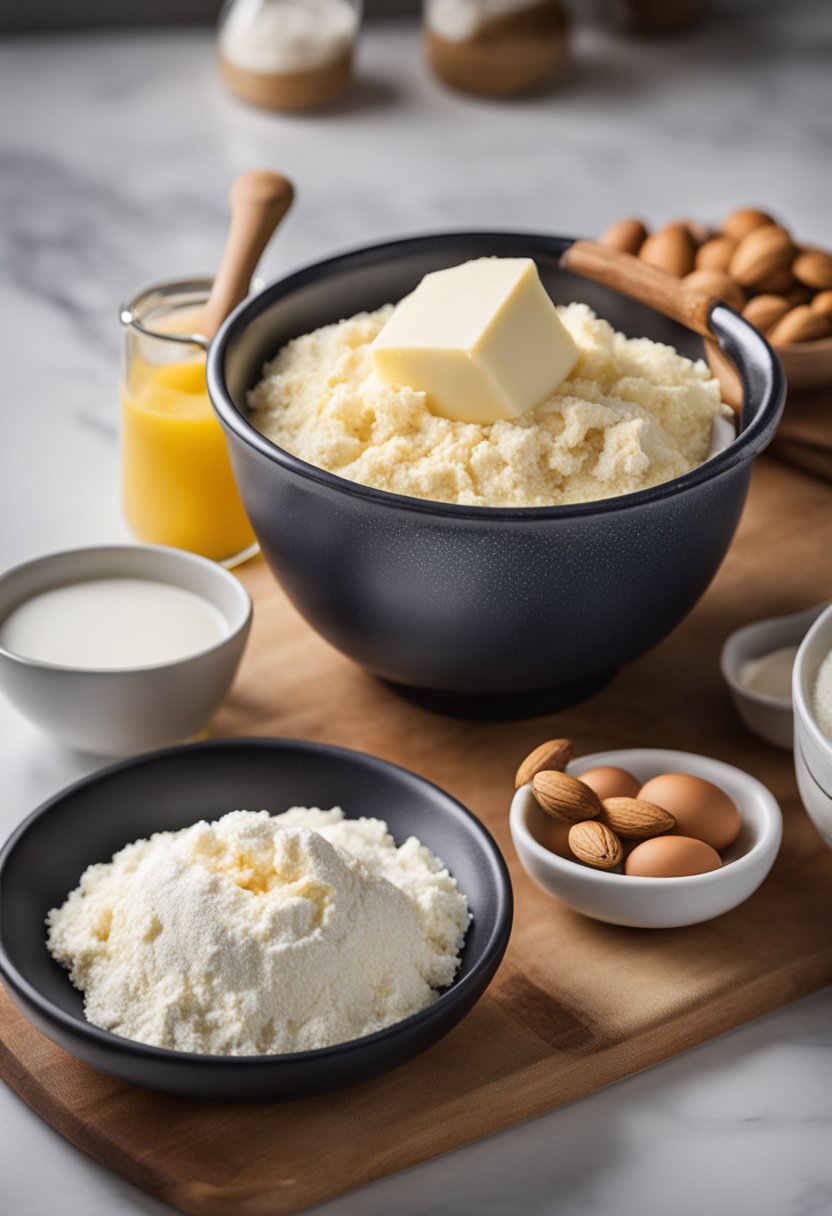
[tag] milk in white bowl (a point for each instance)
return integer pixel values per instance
(121, 649)
(110, 623)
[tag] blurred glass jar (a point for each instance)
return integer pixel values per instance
(288, 54)
(496, 47)
(177, 485)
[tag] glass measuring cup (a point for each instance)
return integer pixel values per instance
(177, 485)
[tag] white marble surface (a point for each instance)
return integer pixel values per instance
(115, 155)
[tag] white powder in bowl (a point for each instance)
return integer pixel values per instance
(261, 934)
(287, 36)
(632, 413)
(822, 696)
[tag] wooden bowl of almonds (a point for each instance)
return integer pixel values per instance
(754, 263)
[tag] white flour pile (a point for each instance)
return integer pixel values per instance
(261, 934)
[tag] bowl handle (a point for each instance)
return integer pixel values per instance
(632, 277)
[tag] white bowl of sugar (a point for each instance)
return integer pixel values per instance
(120, 649)
(757, 663)
(812, 698)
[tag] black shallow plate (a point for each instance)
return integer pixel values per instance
(43, 860)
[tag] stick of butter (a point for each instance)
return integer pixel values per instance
(482, 340)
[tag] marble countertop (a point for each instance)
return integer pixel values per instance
(115, 156)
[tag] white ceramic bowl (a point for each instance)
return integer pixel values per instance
(657, 903)
(769, 717)
(812, 749)
(122, 711)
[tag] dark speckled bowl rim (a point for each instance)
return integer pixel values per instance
(490, 954)
(752, 440)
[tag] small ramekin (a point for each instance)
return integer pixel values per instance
(812, 748)
(771, 718)
(658, 903)
(123, 711)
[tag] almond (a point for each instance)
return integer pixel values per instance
(813, 268)
(780, 283)
(746, 219)
(594, 844)
(716, 253)
(565, 797)
(800, 324)
(698, 232)
(765, 311)
(822, 302)
(635, 819)
(670, 249)
(800, 295)
(554, 754)
(716, 283)
(627, 236)
(760, 255)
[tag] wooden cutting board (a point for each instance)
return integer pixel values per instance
(576, 1004)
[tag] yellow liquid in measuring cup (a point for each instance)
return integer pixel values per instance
(177, 484)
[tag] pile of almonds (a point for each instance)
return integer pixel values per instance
(609, 817)
(752, 263)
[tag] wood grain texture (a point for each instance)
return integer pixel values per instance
(577, 1004)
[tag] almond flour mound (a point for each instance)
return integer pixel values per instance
(632, 413)
(260, 934)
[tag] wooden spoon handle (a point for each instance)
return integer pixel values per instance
(259, 200)
(641, 281)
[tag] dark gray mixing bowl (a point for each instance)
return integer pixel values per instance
(478, 610)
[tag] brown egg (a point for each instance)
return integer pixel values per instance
(701, 809)
(671, 857)
(552, 833)
(611, 782)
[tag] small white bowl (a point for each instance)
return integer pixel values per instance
(121, 711)
(769, 717)
(812, 749)
(657, 903)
